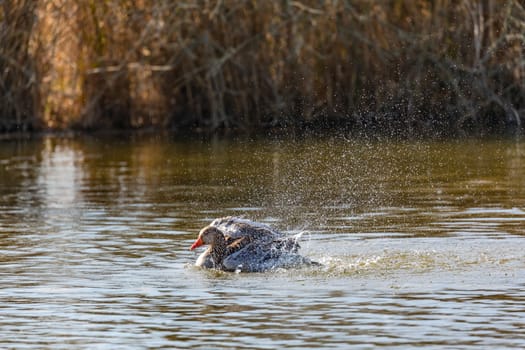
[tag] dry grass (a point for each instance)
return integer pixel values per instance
(412, 67)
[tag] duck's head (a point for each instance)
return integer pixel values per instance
(208, 235)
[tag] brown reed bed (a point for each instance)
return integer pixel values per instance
(399, 67)
(18, 90)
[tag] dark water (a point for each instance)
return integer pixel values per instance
(422, 243)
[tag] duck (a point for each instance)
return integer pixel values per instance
(241, 245)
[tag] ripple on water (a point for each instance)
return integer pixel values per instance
(421, 244)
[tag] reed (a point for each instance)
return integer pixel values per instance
(18, 92)
(409, 67)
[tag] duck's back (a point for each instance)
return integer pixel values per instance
(236, 227)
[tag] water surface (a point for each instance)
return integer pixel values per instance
(422, 243)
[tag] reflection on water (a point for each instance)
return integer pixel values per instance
(422, 243)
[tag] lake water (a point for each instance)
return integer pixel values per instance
(422, 243)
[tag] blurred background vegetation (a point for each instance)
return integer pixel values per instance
(422, 67)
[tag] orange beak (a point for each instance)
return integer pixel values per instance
(197, 243)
